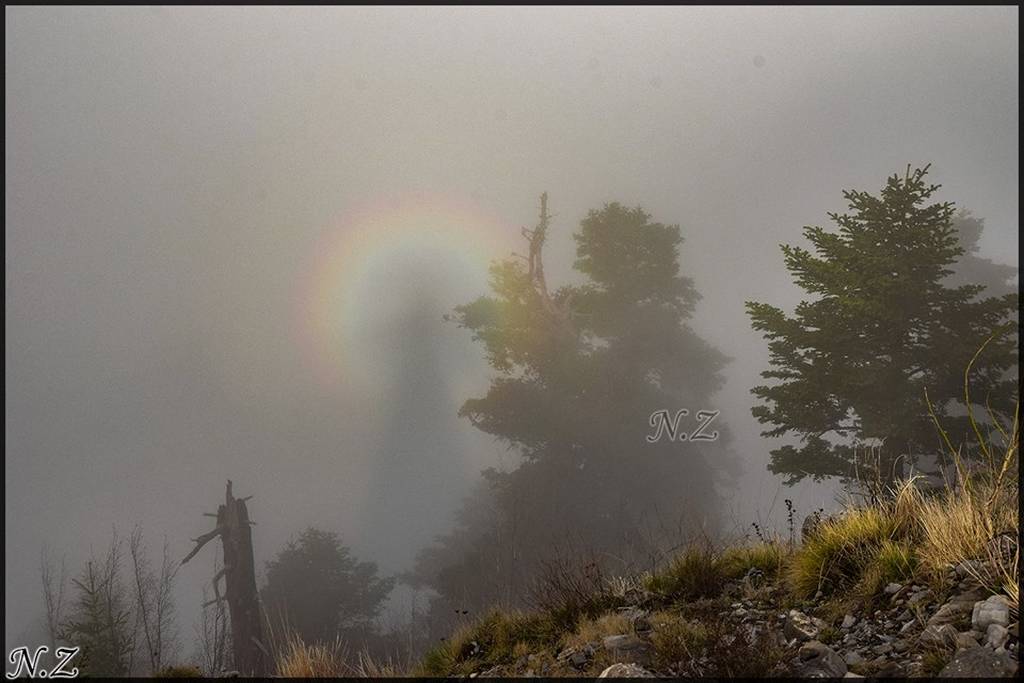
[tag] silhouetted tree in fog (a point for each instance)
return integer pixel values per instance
(880, 328)
(579, 372)
(971, 269)
(319, 590)
(100, 621)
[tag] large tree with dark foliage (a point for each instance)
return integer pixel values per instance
(579, 371)
(317, 588)
(881, 326)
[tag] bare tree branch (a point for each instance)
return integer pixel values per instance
(201, 541)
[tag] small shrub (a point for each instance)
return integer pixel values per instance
(837, 555)
(437, 663)
(499, 637)
(693, 574)
(828, 635)
(934, 660)
(675, 639)
(595, 630)
(569, 590)
(768, 557)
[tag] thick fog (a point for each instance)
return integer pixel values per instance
(212, 269)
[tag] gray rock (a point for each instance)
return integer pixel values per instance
(578, 659)
(994, 610)
(889, 670)
(800, 626)
(818, 660)
(966, 569)
(626, 671)
(848, 621)
(576, 656)
(996, 636)
(978, 662)
(850, 674)
(853, 658)
(893, 588)
(883, 649)
(966, 640)
(921, 597)
(970, 596)
(622, 642)
(950, 613)
(939, 636)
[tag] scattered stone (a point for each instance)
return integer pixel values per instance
(889, 670)
(893, 588)
(950, 613)
(996, 636)
(800, 626)
(848, 621)
(921, 597)
(966, 568)
(994, 610)
(820, 661)
(853, 658)
(578, 657)
(978, 662)
(626, 671)
(965, 640)
(622, 642)
(883, 649)
(907, 626)
(939, 636)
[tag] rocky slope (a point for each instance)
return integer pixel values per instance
(952, 627)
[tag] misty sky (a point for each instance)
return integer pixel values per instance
(176, 179)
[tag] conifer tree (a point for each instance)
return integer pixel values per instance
(880, 327)
(100, 623)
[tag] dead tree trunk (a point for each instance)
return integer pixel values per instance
(559, 314)
(239, 574)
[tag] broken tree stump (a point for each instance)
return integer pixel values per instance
(239, 573)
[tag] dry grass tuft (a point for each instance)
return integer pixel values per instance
(318, 660)
(595, 630)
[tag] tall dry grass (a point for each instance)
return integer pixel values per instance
(298, 659)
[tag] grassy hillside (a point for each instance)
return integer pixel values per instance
(891, 587)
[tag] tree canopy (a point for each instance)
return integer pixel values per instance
(321, 591)
(578, 373)
(881, 325)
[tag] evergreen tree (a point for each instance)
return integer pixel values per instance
(578, 374)
(853, 363)
(971, 269)
(100, 623)
(321, 591)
